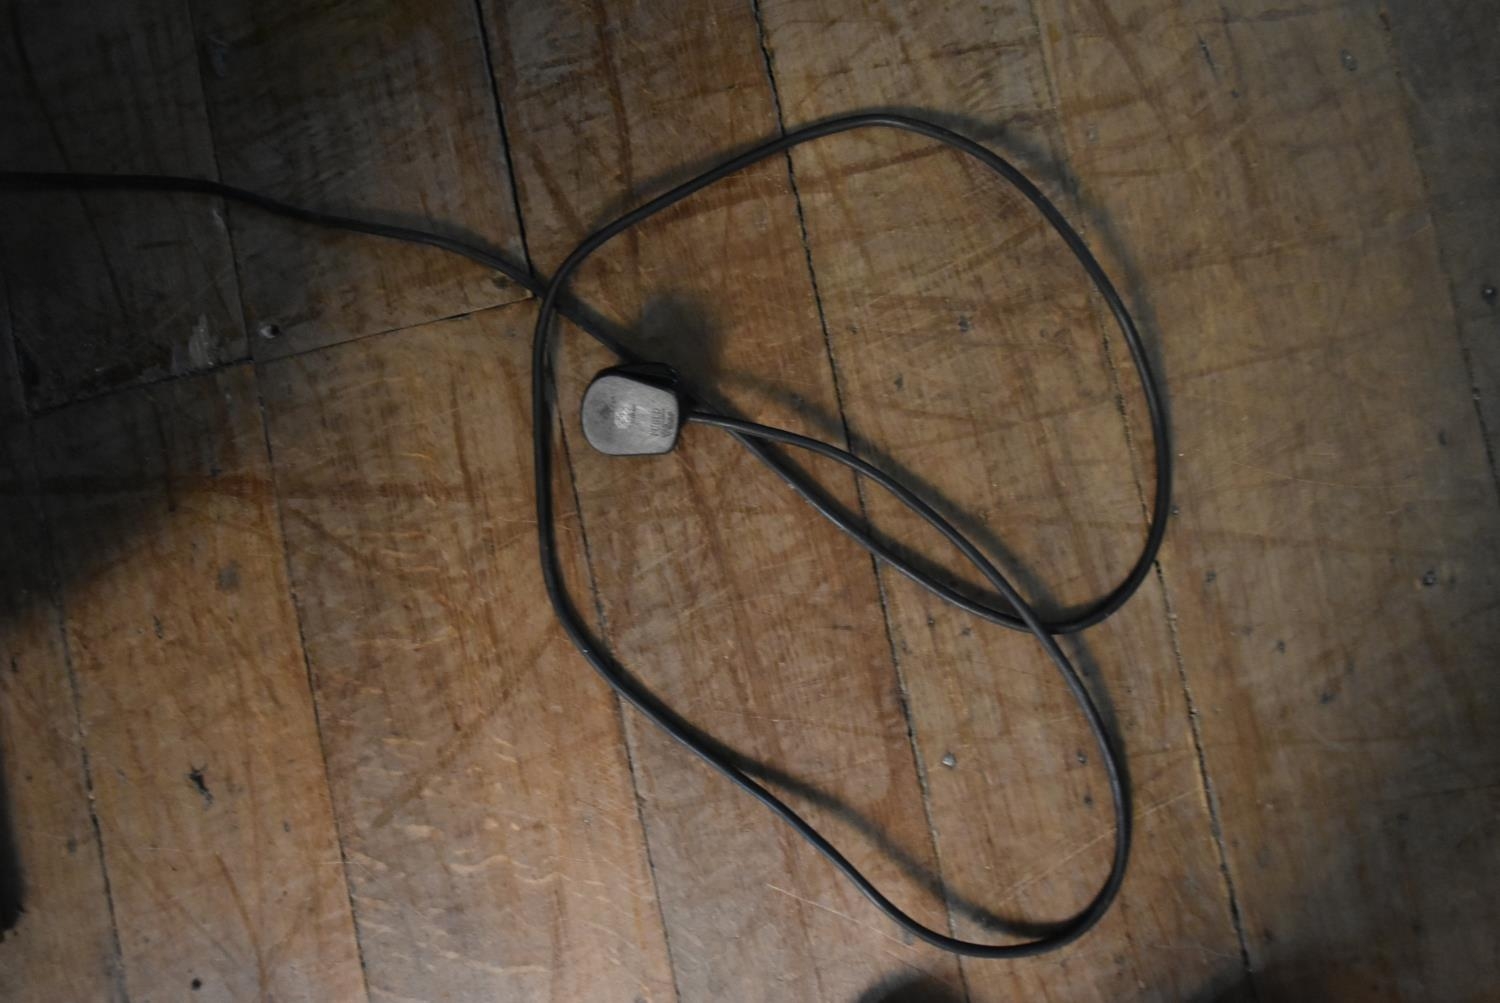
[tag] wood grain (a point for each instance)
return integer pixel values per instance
(109, 289)
(969, 355)
(57, 941)
(1296, 199)
(478, 766)
(1334, 568)
(385, 113)
(1445, 52)
(718, 586)
(208, 778)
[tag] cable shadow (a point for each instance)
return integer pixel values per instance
(1043, 167)
(1242, 990)
(678, 331)
(668, 315)
(653, 185)
(909, 988)
(1047, 170)
(1027, 581)
(986, 131)
(1087, 667)
(909, 865)
(691, 323)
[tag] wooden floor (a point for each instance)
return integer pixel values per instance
(285, 714)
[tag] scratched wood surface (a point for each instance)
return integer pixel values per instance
(208, 778)
(483, 790)
(108, 291)
(1445, 54)
(1333, 572)
(438, 801)
(761, 625)
(968, 355)
(381, 112)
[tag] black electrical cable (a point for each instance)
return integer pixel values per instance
(976, 557)
(1016, 614)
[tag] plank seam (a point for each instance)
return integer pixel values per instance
(1409, 108)
(1210, 794)
(588, 553)
(902, 688)
(510, 164)
(286, 556)
(626, 735)
(59, 606)
(294, 354)
(312, 684)
(1071, 187)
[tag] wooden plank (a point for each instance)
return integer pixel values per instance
(110, 290)
(718, 586)
(1334, 568)
(56, 937)
(209, 783)
(970, 356)
(478, 766)
(383, 113)
(1445, 53)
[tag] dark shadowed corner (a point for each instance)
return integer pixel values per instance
(11, 888)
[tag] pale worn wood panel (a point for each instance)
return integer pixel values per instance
(1334, 567)
(110, 289)
(478, 766)
(385, 113)
(1446, 54)
(58, 941)
(209, 781)
(969, 355)
(720, 588)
